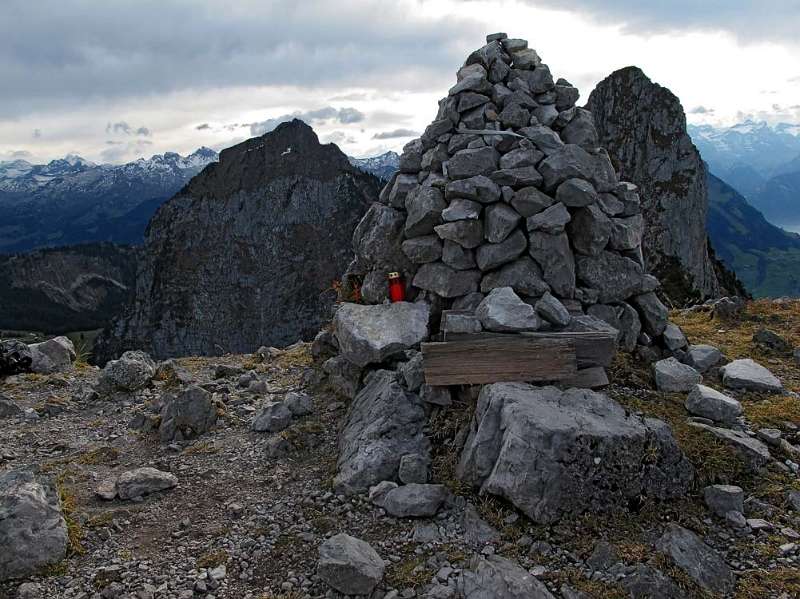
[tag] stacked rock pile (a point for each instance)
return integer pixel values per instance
(508, 188)
(508, 215)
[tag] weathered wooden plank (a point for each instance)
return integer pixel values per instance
(592, 348)
(483, 360)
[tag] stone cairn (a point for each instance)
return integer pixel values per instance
(507, 211)
(508, 206)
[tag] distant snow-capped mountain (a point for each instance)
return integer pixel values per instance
(382, 166)
(72, 200)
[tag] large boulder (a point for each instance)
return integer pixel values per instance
(370, 334)
(53, 355)
(495, 577)
(187, 414)
(131, 372)
(385, 422)
(709, 403)
(349, 565)
(33, 532)
(673, 377)
(750, 376)
(553, 453)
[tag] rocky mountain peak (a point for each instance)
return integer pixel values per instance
(643, 127)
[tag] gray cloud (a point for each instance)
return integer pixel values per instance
(119, 151)
(395, 134)
(344, 116)
(748, 20)
(124, 128)
(701, 110)
(20, 154)
(37, 133)
(84, 50)
(203, 127)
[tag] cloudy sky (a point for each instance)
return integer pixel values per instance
(113, 81)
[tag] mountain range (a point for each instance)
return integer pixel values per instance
(759, 160)
(72, 201)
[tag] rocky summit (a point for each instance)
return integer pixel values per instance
(579, 439)
(247, 253)
(643, 126)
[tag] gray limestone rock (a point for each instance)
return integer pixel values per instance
(629, 327)
(589, 230)
(457, 257)
(414, 500)
(370, 334)
(503, 311)
(501, 219)
(754, 453)
(414, 469)
(349, 565)
(552, 310)
(674, 338)
(435, 395)
(626, 233)
(722, 499)
(652, 312)
(750, 376)
(384, 423)
(470, 163)
(570, 161)
(491, 255)
(187, 414)
(522, 438)
(477, 531)
(576, 193)
(770, 341)
(403, 185)
(523, 275)
(343, 376)
(646, 582)
(299, 403)
(699, 561)
(553, 254)
(495, 577)
(529, 201)
(581, 130)
(521, 157)
(544, 138)
(461, 323)
(411, 372)
(551, 220)
(479, 188)
(132, 371)
(423, 249)
(460, 209)
(614, 276)
(9, 408)
(526, 176)
(466, 233)
(673, 377)
(709, 403)
(424, 207)
(53, 355)
(272, 417)
(446, 282)
(144, 481)
(33, 532)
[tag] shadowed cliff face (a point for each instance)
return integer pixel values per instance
(66, 289)
(643, 126)
(246, 253)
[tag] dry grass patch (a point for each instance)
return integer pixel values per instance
(757, 584)
(410, 572)
(772, 412)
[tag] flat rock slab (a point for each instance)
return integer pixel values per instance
(699, 561)
(709, 403)
(750, 376)
(33, 532)
(414, 500)
(553, 453)
(673, 377)
(496, 577)
(370, 334)
(349, 565)
(144, 481)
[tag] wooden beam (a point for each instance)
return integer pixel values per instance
(592, 348)
(480, 360)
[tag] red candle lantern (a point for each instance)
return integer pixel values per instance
(397, 290)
